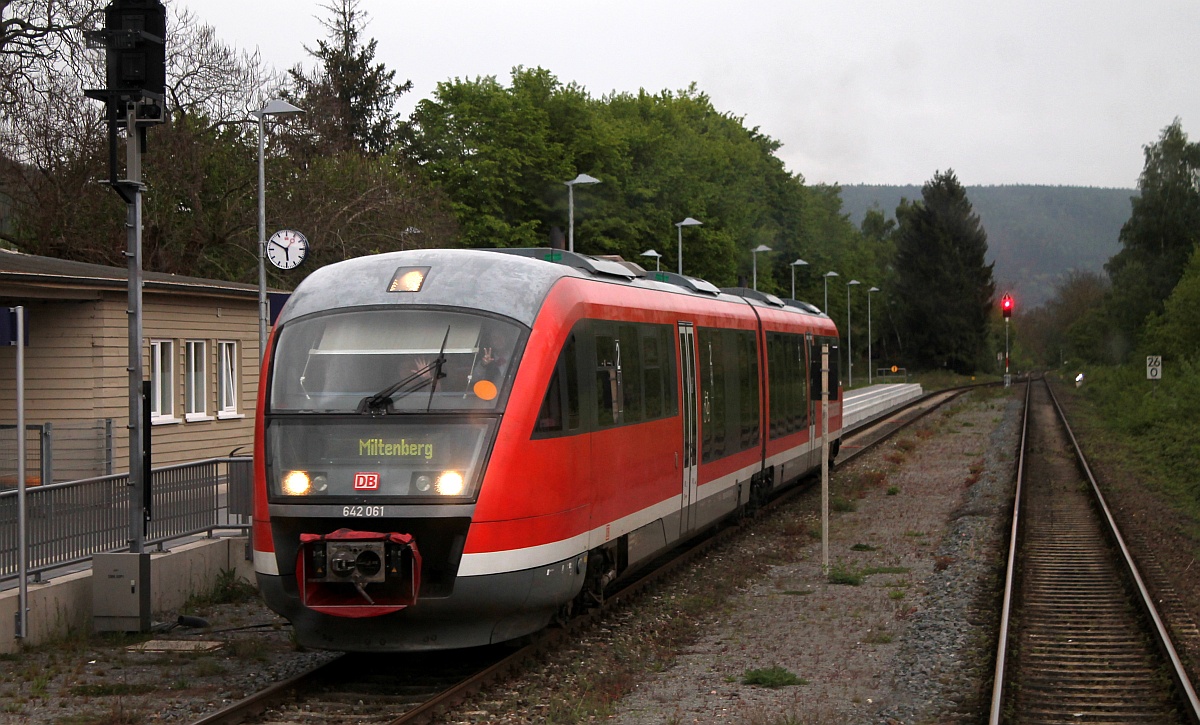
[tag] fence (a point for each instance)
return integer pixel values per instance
(58, 452)
(68, 522)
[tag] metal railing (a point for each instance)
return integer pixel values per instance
(66, 451)
(69, 522)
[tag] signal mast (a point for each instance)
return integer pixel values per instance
(1006, 307)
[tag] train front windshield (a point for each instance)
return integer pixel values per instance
(393, 360)
(383, 403)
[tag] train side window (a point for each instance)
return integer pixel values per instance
(713, 394)
(607, 380)
(799, 394)
(571, 367)
(666, 343)
(777, 382)
(747, 389)
(652, 375)
(631, 374)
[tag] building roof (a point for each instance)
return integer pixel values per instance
(31, 271)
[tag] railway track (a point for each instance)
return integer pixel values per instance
(417, 688)
(1081, 640)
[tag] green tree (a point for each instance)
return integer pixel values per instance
(1161, 233)
(350, 99)
(1175, 332)
(943, 288)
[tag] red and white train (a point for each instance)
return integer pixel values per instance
(454, 446)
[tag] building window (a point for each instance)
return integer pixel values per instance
(227, 391)
(162, 380)
(195, 380)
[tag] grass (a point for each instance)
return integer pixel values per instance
(841, 574)
(1147, 427)
(228, 588)
(772, 677)
(893, 490)
(842, 504)
(863, 547)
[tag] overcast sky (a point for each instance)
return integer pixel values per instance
(884, 92)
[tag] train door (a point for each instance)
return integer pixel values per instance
(687, 377)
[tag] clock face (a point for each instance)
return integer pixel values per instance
(287, 248)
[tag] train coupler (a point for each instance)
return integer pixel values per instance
(358, 573)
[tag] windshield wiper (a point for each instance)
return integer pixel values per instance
(438, 374)
(410, 384)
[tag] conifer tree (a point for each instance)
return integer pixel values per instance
(350, 99)
(944, 286)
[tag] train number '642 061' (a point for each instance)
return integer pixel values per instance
(362, 511)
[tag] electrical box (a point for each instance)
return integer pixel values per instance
(121, 592)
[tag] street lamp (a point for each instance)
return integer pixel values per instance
(870, 365)
(581, 179)
(827, 276)
(656, 255)
(688, 222)
(849, 337)
(797, 263)
(274, 107)
(754, 255)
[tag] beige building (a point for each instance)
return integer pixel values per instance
(200, 353)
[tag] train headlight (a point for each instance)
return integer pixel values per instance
(450, 483)
(296, 483)
(423, 483)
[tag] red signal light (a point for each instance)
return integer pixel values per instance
(1006, 305)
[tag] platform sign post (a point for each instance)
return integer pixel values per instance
(1154, 367)
(825, 458)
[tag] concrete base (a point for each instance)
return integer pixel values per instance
(64, 604)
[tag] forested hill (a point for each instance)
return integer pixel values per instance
(1035, 233)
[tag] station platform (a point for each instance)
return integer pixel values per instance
(863, 405)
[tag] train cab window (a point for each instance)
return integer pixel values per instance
(562, 395)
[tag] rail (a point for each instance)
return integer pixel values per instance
(1161, 636)
(69, 522)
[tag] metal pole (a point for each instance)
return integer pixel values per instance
(137, 482)
(1007, 379)
(849, 343)
(570, 217)
(262, 242)
(870, 365)
(22, 531)
(793, 281)
(825, 458)
(680, 229)
(755, 256)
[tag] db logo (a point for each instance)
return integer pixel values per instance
(366, 482)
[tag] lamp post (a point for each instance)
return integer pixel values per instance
(827, 276)
(656, 255)
(793, 265)
(754, 254)
(870, 365)
(275, 107)
(688, 222)
(849, 337)
(581, 179)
